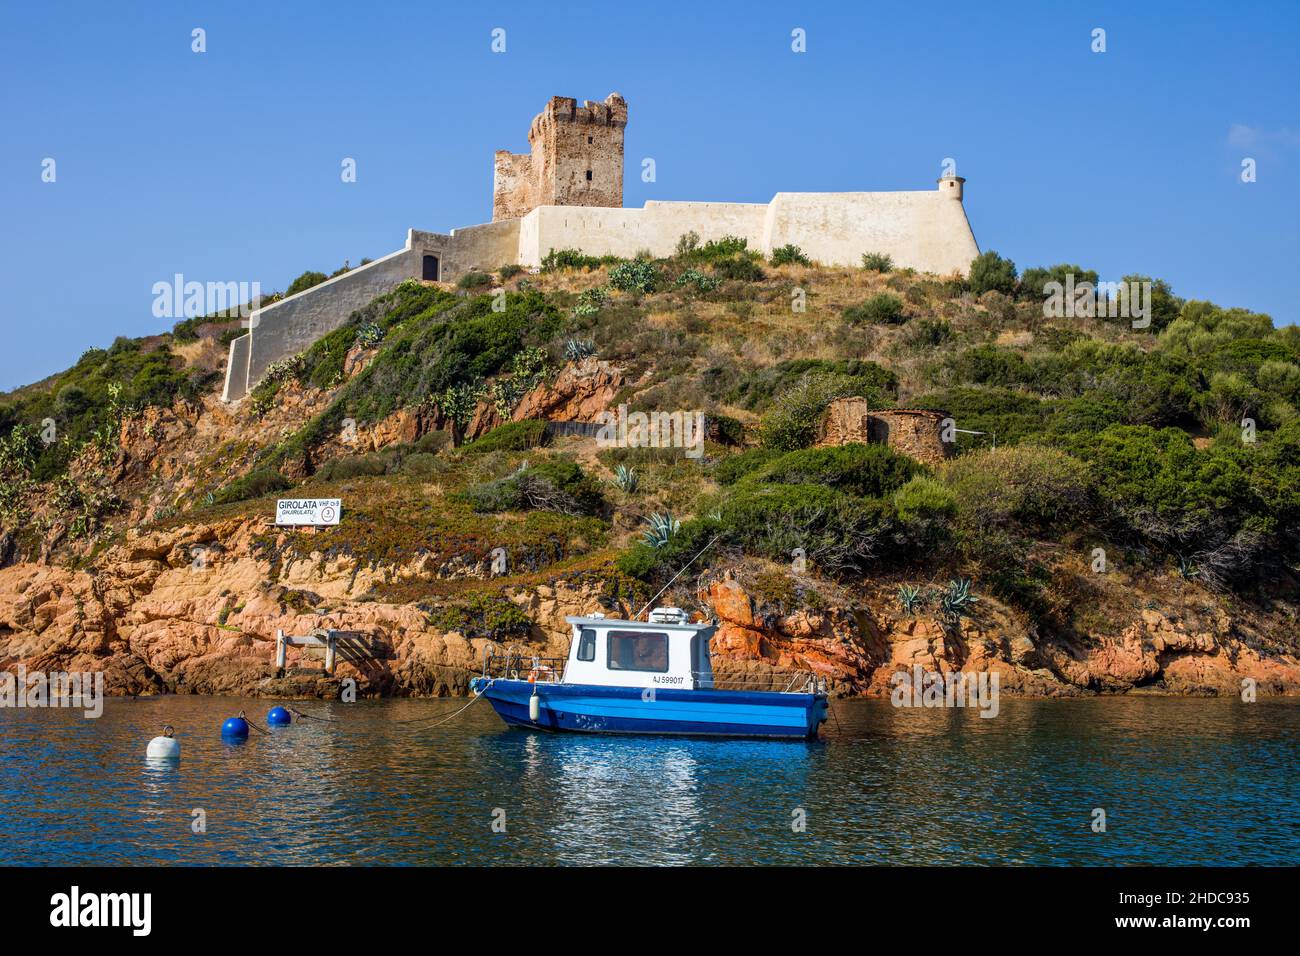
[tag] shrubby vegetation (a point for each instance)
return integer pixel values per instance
(883, 309)
(547, 484)
(512, 436)
(1175, 445)
(789, 255)
(81, 401)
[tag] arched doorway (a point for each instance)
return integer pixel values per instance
(430, 268)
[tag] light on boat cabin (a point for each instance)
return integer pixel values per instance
(665, 652)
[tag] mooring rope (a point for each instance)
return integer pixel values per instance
(253, 725)
(323, 720)
(440, 718)
(472, 702)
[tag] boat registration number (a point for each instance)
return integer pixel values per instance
(669, 680)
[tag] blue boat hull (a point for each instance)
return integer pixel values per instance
(590, 708)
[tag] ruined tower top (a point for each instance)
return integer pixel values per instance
(576, 159)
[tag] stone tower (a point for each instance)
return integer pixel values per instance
(576, 159)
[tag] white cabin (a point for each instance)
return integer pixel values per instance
(666, 651)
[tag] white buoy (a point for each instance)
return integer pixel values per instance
(534, 707)
(165, 747)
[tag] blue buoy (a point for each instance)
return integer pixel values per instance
(278, 717)
(235, 728)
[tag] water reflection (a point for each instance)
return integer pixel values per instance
(1182, 781)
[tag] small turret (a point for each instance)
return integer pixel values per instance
(950, 186)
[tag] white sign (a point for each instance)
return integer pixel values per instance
(308, 511)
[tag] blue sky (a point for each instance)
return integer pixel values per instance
(225, 165)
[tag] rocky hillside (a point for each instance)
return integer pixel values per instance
(1121, 513)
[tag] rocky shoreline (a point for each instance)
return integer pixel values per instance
(172, 611)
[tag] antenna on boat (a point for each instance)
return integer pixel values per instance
(651, 602)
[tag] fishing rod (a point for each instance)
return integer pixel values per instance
(676, 576)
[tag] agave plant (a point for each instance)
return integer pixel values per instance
(626, 478)
(956, 601)
(369, 335)
(909, 597)
(661, 530)
(575, 350)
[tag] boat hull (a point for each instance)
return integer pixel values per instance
(591, 708)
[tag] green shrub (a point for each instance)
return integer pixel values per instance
(421, 464)
(989, 272)
(837, 532)
(789, 254)
(509, 271)
(877, 262)
(512, 436)
(255, 484)
(715, 250)
(925, 507)
(550, 484)
(866, 471)
(882, 309)
(1024, 485)
(558, 259)
(474, 280)
(725, 430)
(794, 419)
(1170, 492)
(921, 334)
(731, 469)
(740, 269)
(1033, 281)
(304, 282)
(756, 389)
(1002, 414)
(102, 387)
(492, 617)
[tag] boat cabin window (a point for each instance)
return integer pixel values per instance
(587, 645)
(638, 651)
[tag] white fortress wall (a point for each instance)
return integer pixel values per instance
(236, 386)
(927, 231)
(485, 248)
(601, 231)
(287, 327)
(924, 230)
